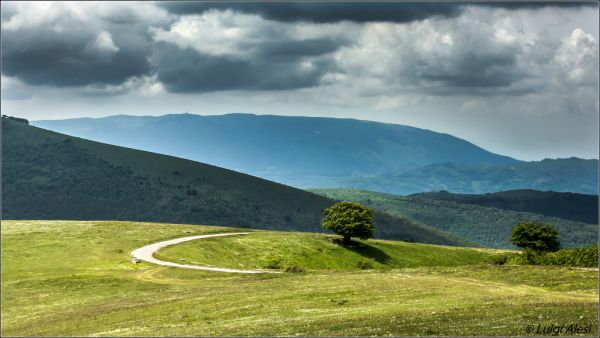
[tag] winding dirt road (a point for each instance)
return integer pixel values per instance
(146, 253)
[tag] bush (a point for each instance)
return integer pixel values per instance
(294, 269)
(586, 257)
(273, 263)
(364, 264)
(582, 257)
(500, 260)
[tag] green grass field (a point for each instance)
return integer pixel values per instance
(76, 278)
(266, 249)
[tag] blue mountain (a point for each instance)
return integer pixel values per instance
(293, 150)
(333, 152)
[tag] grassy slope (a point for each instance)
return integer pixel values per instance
(75, 278)
(318, 251)
(489, 226)
(47, 175)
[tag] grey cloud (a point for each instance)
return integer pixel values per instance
(69, 49)
(327, 12)
(187, 70)
(67, 59)
(534, 5)
(308, 47)
(475, 70)
(324, 12)
(6, 12)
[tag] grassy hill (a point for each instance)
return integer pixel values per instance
(279, 250)
(295, 150)
(74, 278)
(47, 175)
(488, 226)
(572, 206)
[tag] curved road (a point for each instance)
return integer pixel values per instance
(146, 253)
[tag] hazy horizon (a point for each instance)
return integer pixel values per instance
(189, 113)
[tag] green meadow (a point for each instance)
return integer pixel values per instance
(76, 278)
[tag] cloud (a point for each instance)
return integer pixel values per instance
(486, 51)
(237, 35)
(14, 89)
(323, 12)
(577, 57)
(232, 51)
(189, 71)
(76, 44)
(440, 56)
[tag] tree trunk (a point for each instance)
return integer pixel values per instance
(346, 239)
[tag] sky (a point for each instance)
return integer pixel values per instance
(519, 80)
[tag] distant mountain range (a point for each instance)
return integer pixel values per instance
(46, 175)
(491, 224)
(562, 175)
(329, 152)
(565, 205)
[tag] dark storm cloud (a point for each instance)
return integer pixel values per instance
(475, 70)
(187, 70)
(327, 12)
(296, 49)
(77, 44)
(323, 12)
(535, 5)
(70, 58)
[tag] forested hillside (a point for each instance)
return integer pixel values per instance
(47, 175)
(489, 226)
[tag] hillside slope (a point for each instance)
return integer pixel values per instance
(489, 226)
(330, 152)
(563, 175)
(47, 175)
(575, 207)
(300, 151)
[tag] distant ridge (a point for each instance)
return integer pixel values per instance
(318, 152)
(565, 205)
(560, 175)
(298, 151)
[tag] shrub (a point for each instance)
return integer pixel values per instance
(585, 257)
(582, 257)
(500, 260)
(294, 269)
(364, 264)
(273, 263)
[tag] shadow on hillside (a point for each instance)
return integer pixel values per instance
(364, 250)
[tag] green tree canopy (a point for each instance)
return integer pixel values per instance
(535, 236)
(349, 219)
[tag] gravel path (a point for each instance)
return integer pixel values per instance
(146, 253)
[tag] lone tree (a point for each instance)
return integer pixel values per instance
(535, 236)
(349, 219)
